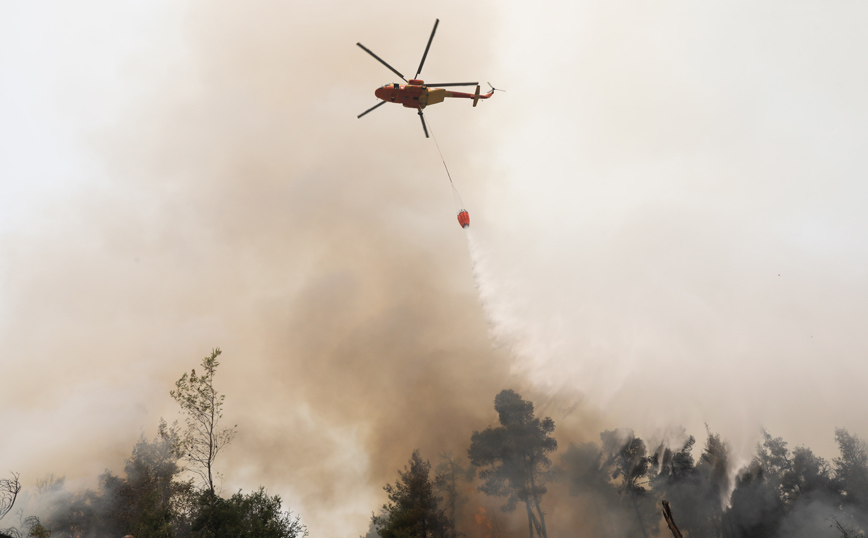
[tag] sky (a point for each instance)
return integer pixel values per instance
(667, 229)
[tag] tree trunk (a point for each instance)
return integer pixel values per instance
(542, 518)
(667, 515)
(529, 519)
(536, 523)
(638, 515)
(452, 497)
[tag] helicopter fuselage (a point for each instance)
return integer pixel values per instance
(415, 94)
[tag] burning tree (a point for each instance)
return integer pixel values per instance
(514, 457)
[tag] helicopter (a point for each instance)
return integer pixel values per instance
(416, 93)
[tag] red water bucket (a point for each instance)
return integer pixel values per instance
(464, 218)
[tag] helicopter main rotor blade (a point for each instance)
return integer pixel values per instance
(443, 85)
(428, 46)
(424, 127)
(382, 62)
(381, 103)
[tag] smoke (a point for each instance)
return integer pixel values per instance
(235, 206)
(669, 232)
(666, 230)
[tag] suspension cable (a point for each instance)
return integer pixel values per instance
(454, 189)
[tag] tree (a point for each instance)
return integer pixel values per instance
(144, 503)
(449, 473)
(851, 469)
(203, 407)
(628, 461)
(413, 510)
(588, 478)
(756, 508)
(675, 479)
(713, 485)
(773, 456)
(9, 490)
(514, 457)
(808, 475)
(254, 515)
(756, 502)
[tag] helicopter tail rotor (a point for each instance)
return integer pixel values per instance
(493, 89)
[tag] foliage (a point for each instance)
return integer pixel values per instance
(144, 503)
(851, 469)
(203, 406)
(254, 515)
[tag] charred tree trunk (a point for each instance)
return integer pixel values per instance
(667, 515)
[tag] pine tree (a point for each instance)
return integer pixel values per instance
(514, 457)
(413, 510)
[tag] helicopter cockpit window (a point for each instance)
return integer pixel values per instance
(395, 85)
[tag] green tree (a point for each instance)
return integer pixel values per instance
(514, 457)
(254, 515)
(202, 406)
(851, 469)
(413, 510)
(807, 475)
(773, 456)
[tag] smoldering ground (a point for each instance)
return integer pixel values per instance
(633, 237)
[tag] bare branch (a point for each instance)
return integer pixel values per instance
(9, 489)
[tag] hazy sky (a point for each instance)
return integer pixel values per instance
(667, 210)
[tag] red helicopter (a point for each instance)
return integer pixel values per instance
(416, 93)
